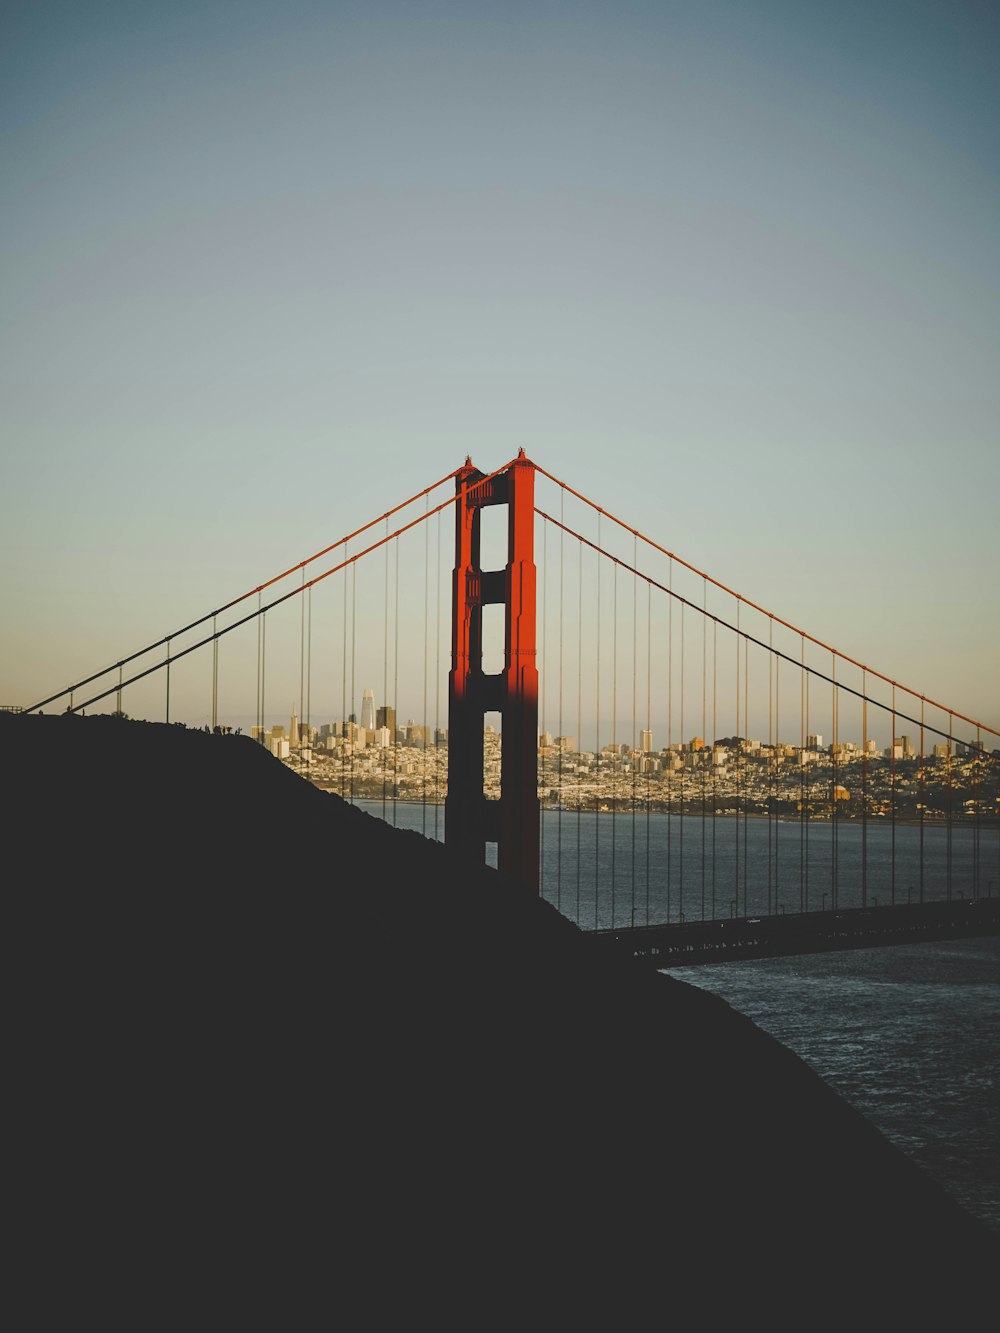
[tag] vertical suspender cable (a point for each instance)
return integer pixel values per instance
(597, 743)
(215, 676)
(345, 731)
(975, 816)
(746, 785)
(354, 654)
(614, 732)
(437, 684)
(423, 715)
(579, 717)
(892, 802)
(922, 792)
(951, 792)
(562, 729)
(833, 779)
(648, 752)
(704, 727)
(302, 651)
(684, 755)
(168, 685)
(808, 803)
(309, 641)
(864, 788)
(670, 732)
(395, 690)
(802, 780)
(543, 674)
(920, 788)
(715, 738)
(772, 764)
(777, 776)
(385, 659)
(920, 797)
(739, 772)
(635, 751)
(260, 637)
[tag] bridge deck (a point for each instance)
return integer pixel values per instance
(725, 941)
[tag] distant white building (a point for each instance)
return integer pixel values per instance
(368, 710)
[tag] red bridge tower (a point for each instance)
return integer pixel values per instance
(471, 821)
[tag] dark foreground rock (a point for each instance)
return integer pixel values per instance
(272, 1056)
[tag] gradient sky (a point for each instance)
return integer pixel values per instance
(730, 268)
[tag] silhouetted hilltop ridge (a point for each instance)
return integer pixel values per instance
(268, 1039)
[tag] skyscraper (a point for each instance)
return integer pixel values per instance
(293, 731)
(368, 710)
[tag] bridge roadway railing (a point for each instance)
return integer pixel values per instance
(724, 941)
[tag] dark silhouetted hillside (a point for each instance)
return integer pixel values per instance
(272, 1055)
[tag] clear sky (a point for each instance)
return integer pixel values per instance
(730, 268)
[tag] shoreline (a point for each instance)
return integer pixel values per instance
(880, 820)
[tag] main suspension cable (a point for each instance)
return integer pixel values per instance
(295, 592)
(753, 605)
(211, 615)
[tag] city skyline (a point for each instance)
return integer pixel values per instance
(386, 730)
(414, 733)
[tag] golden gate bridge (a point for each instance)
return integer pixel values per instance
(799, 800)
